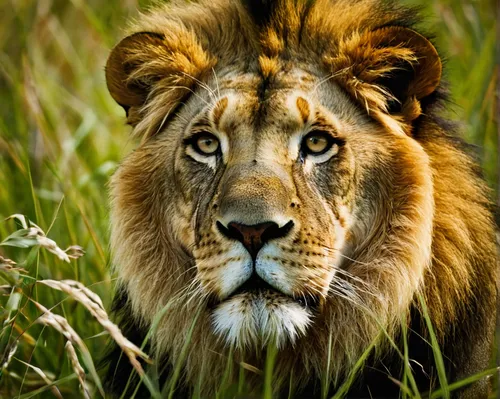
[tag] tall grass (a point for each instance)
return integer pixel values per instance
(61, 137)
(467, 35)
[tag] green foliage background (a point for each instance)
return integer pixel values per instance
(61, 137)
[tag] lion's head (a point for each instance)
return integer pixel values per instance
(284, 191)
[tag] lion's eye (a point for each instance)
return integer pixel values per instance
(205, 144)
(317, 143)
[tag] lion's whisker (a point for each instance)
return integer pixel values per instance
(216, 82)
(203, 85)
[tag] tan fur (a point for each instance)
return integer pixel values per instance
(303, 108)
(407, 214)
(219, 109)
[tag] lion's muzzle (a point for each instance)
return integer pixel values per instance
(255, 236)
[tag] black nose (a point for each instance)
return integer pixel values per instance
(255, 236)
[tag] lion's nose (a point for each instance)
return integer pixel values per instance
(255, 236)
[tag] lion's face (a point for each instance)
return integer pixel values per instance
(270, 205)
(268, 190)
(278, 196)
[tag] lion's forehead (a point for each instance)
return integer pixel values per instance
(287, 79)
(250, 111)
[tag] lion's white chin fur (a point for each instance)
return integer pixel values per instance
(252, 320)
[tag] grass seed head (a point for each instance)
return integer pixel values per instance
(32, 235)
(94, 305)
(77, 368)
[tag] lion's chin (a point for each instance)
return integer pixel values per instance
(257, 319)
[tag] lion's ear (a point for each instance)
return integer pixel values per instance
(148, 71)
(126, 84)
(389, 70)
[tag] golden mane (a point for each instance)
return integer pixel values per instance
(443, 251)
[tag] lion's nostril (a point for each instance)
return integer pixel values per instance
(255, 236)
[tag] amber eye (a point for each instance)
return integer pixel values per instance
(316, 143)
(205, 144)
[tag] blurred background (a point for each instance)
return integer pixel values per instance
(61, 137)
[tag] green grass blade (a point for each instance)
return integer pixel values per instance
(45, 388)
(438, 357)
(271, 354)
(344, 388)
(465, 382)
(180, 362)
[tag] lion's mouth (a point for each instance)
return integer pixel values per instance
(255, 286)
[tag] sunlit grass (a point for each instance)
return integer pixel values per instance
(62, 136)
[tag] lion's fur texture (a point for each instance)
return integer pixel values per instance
(406, 216)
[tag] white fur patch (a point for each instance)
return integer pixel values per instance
(235, 273)
(252, 320)
(272, 272)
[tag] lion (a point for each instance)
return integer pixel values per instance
(296, 196)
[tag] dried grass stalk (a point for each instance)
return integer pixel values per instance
(8, 265)
(60, 324)
(45, 378)
(77, 368)
(32, 235)
(9, 354)
(94, 305)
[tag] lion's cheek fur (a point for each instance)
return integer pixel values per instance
(145, 246)
(391, 273)
(401, 212)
